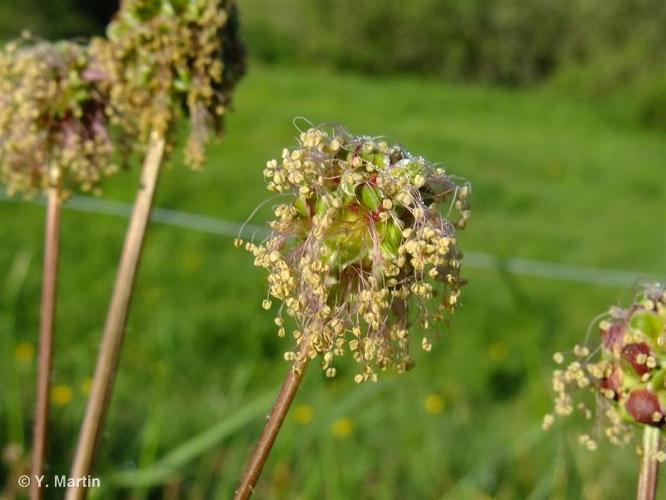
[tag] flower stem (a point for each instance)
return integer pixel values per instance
(260, 454)
(649, 473)
(46, 334)
(107, 362)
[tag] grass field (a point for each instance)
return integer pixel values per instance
(554, 179)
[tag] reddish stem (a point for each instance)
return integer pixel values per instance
(46, 334)
(265, 444)
(649, 473)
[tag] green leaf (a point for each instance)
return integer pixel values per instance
(195, 447)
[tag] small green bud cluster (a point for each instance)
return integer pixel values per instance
(165, 57)
(627, 371)
(53, 129)
(360, 243)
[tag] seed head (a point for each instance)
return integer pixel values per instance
(626, 371)
(163, 58)
(359, 242)
(53, 129)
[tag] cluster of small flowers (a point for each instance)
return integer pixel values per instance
(626, 372)
(163, 57)
(359, 243)
(53, 129)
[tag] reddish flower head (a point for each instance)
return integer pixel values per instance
(627, 370)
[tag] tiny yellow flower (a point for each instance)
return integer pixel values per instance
(25, 352)
(303, 414)
(86, 385)
(497, 351)
(192, 261)
(151, 294)
(434, 403)
(342, 427)
(62, 395)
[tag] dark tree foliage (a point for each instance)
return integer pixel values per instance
(56, 18)
(594, 46)
(98, 11)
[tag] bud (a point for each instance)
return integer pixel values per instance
(613, 336)
(643, 406)
(368, 197)
(636, 354)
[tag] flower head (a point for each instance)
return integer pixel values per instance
(164, 57)
(62, 394)
(359, 242)
(342, 427)
(25, 352)
(53, 129)
(626, 371)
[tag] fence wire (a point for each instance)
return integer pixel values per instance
(479, 260)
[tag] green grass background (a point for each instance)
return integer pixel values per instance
(554, 178)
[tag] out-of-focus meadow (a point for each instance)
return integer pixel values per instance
(555, 113)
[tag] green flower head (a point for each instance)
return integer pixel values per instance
(53, 129)
(164, 58)
(361, 242)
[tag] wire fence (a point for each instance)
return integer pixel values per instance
(479, 260)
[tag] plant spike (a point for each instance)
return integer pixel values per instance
(52, 119)
(161, 57)
(358, 243)
(165, 59)
(55, 141)
(626, 372)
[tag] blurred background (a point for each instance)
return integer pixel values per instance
(555, 110)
